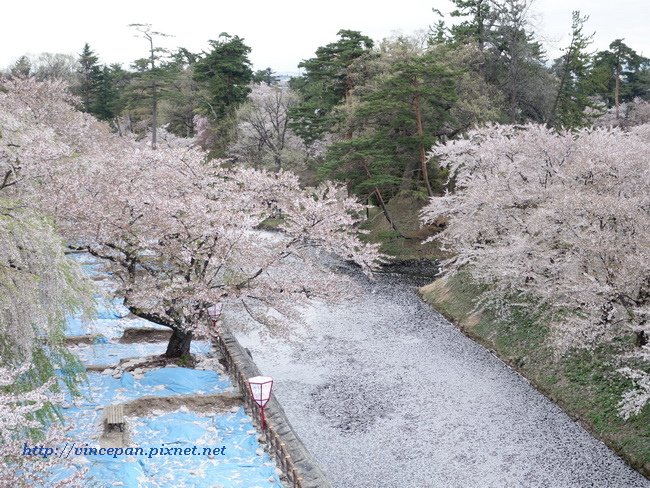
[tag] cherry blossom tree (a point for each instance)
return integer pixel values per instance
(40, 132)
(264, 138)
(630, 114)
(180, 231)
(552, 213)
(25, 462)
(637, 398)
(181, 234)
(557, 220)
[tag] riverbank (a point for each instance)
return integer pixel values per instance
(584, 384)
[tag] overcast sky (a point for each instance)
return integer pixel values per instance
(281, 33)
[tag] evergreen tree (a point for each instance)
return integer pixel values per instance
(515, 63)
(617, 75)
(512, 60)
(478, 26)
(265, 76)
(180, 101)
(22, 67)
(107, 104)
(150, 74)
(394, 122)
(326, 83)
(572, 70)
(224, 74)
(90, 79)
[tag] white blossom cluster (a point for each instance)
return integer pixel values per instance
(179, 229)
(558, 220)
(40, 133)
(264, 138)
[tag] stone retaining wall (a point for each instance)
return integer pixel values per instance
(297, 464)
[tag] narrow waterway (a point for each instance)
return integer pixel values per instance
(387, 394)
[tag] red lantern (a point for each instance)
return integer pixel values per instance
(261, 387)
(214, 311)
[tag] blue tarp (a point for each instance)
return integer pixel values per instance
(240, 466)
(102, 389)
(109, 327)
(107, 354)
(233, 434)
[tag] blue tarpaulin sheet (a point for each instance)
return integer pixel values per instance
(239, 466)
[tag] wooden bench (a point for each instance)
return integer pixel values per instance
(114, 417)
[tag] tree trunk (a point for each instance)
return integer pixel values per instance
(154, 98)
(423, 157)
(154, 117)
(563, 81)
(407, 176)
(617, 89)
(481, 29)
(382, 203)
(179, 344)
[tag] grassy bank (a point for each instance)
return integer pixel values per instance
(405, 244)
(585, 383)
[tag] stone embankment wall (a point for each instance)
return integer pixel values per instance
(297, 464)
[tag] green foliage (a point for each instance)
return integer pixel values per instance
(620, 63)
(326, 83)
(99, 87)
(89, 78)
(223, 77)
(572, 69)
(395, 118)
(39, 288)
(265, 76)
(181, 98)
(22, 67)
(479, 19)
(108, 104)
(224, 74)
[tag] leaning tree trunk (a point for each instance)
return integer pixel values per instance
(179, 343)
(423, 157)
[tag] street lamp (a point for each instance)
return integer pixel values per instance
(261, 387)
(213, 312)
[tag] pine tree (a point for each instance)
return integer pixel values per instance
(479, 24)
(326, 83)
(150, 73)
(223, 76)
(395, 122)
(617, 75)
(107, 105)
(180, 99)
(22, 67)
(265, 76)
(572, 69)
(90, 75)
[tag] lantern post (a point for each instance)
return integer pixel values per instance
(214, 311)
(261, 387)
